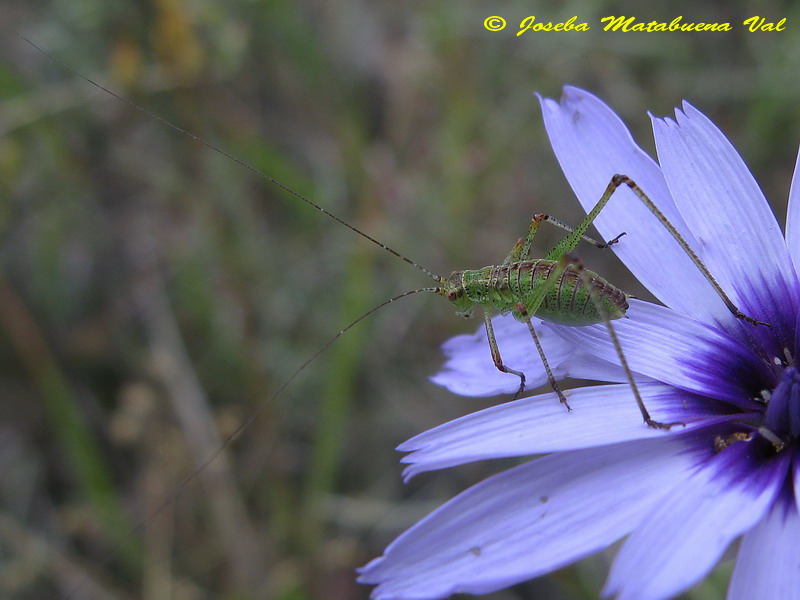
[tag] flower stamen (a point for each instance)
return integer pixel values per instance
(772, 438)
(723, 442)
(789, 357)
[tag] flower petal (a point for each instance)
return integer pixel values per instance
(793, 215)
(601, 415)
(768, 565)
(675, 349)
(469, 370)
(529, 520)
(683, 538)
(740, 240)
(592, 144)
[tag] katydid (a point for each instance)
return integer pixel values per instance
(559, 289)
(556, 288)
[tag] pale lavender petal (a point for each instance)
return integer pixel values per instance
(592, 144)
(740, 240)
(678, 543)
(469, 370)
(768, 564)
(675, 349)
(530, 520)
(600, 415)
(584, 365)
(793, 215)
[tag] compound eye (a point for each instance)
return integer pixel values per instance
(452, 295)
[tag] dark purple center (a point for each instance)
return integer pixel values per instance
(783, 412)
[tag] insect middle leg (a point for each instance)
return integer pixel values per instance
(550, 377)
(520, 252)
(524, 311)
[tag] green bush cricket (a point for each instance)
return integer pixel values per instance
(559, 289)
(556, 288)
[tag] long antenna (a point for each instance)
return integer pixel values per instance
(228, 155)
(254, 415)
(178, 491)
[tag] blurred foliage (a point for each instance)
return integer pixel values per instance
(153, 293)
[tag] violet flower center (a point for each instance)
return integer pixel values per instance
(783, 410)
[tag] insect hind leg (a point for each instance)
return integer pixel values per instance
(618, 180)
(585, 279)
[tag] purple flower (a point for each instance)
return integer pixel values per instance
(679, 497)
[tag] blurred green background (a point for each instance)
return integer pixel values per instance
(153, 294)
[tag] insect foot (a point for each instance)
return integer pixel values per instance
(665, 426)
(612, 242)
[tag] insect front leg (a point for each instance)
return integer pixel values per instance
(498, 360)
(560, 224)
(522, 249)
(569, 243)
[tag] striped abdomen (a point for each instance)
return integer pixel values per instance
(566, 302)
